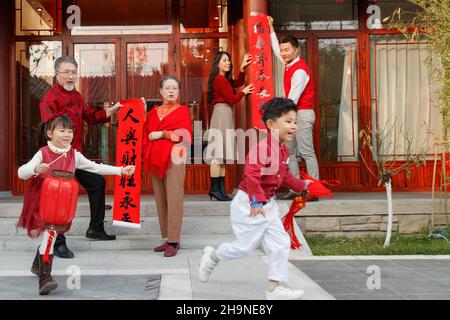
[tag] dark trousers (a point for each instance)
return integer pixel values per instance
(95, 186)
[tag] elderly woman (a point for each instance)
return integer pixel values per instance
(167, 132)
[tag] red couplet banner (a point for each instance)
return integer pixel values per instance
(261, 68)
(127, 189)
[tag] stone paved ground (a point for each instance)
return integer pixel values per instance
(400, 279)
(90, 287)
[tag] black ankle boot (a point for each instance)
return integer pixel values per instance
(60, 249)
(214, 192)
(222, 188)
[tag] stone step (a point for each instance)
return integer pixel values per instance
(79, 243)
(193, 225)
(124, 242)
(13, 209)
(201, 206)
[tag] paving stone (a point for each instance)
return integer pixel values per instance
(356, 286)
(105, 287)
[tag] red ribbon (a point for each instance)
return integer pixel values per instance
(288, 221)
(49, 245)
(315, 189)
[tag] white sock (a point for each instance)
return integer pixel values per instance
(214, 257)
(46, 236)
(271, 285)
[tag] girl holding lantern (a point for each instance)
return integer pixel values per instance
(51, 197)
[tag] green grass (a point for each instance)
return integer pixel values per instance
(399, 245)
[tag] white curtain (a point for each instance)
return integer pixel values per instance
(348, 110)
(403, 93)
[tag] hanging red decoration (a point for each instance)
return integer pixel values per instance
(261, 68)
(58, 202)
(315, 189)
(127, 190)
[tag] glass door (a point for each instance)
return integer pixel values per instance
(338, 111)
(97, 83)
(146, 64)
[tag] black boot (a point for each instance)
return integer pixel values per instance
(60, 249)
(46, 282)
(214, 192)
(35, 265)
(222, 188)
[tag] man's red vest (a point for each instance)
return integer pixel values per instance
(306, 100)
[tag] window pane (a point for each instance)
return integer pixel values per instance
(387, 8)
(403, 92)
(199, 16)
(34, 76)
(338, 87)
(38, 17)
(147, 63)
(314, 14)
(124, 17)
(97, 85)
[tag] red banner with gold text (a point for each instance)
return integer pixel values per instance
(127, 189)
(261, 68)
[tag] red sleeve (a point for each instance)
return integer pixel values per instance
(90, 115)
(240, 80)
(252, 176)
(290, 181)
(223, 87)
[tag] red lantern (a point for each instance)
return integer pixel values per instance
(59, 195)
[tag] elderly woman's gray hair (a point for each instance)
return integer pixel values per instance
(67, 59)
(165, 78)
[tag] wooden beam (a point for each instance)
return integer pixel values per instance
(6, 12)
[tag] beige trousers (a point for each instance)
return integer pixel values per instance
(169, 198)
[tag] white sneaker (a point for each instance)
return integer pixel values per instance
(283, 293)
(207, 264)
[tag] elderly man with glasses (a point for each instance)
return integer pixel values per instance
(63, 99)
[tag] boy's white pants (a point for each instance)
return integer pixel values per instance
(251, 232)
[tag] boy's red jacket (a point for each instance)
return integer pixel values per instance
(266, 170)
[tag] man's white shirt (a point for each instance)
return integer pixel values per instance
(299, 79)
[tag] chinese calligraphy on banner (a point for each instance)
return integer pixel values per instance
(127, 189)
(261, 68)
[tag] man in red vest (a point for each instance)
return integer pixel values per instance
(299, 87)
(63, 99)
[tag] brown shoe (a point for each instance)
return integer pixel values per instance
(46, 282)
(161, 248)
(171, 251)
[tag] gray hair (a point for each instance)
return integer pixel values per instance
(169, 77)
(63, 59)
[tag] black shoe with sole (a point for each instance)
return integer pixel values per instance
(60, 249)
(99, 235)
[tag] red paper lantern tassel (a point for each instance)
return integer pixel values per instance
(288, 221)
(49, 245)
